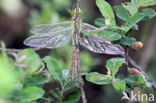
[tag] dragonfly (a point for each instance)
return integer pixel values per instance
(57, 35)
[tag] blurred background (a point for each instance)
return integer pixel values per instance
(18, 16)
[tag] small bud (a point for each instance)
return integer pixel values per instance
(134, 71)
(137, 45)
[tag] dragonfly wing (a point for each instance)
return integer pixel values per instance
(99, 45)
(45, 29)
(54, 40)
(87, 28)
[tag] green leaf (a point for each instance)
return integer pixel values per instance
(134, 20)
(36, 80)
(126, 41)
(8, 77)
(109, 35)
(106, 12)
(100, 22)
(122, 13)
(149, 13)
(98, 78)
(72, 97)
(133, 79)
(53, 67)
(119, 84)
(114, 64)
(29, 58)
(30, 94)
(147, 2)
(132, 7)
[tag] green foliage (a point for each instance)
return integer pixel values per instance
(147, 2)
(109, 35)
(35, 80)
(132, 7)
(122, 13)
(119, 84)
(8, 76)
(54, 68)
(98, 78)
(72, 97)
(149, 13)
(114, 64)
(126, 41)
(106, 12)
(100, 22)
(135, 79)
(29, 94)
(29, 59)
(24, 85)
(132, 21)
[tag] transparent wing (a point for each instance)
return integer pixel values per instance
(53, 40)
(101, 46)
(45, 29)
(87, 28)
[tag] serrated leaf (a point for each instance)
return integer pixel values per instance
(132, 21)
(98, 78)
(100, 22)
(114, 64)
(126, 41)
(30, 59)
(53, 67)
(149, 13)
(122, 13)
(106, 11)
(119, 84)
(109, 35)
(147, 2)
(36, 80)
(30, 94)
(72, 97)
